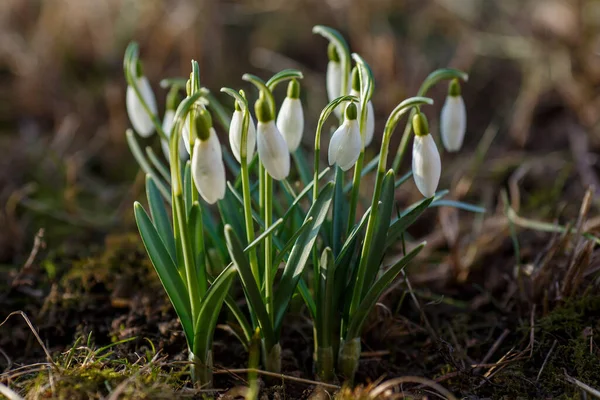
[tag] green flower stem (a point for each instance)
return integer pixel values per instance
(322, 118)
(431, 80)
(348, 357)
(196, 285)
(366, 92)
(201, 370)
(390, 125)
(245, 173)
(131, 59)
(268, 218)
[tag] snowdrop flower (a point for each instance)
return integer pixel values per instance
(272, 147)
(345, 144)
(426, 164)
(141, 121)
(334, 73)
(167, 125)
(453, 121)
(208, 170)
(370, 128)
(235, 135)
(333, 77)
(290, 120)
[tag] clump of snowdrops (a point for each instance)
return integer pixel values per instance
(256, 214)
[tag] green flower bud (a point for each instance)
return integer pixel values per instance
(332, 53)
(351, 111)
(454, 88)
(262, 109)
(355, 79)
(293, 89)
(203, 124)
(420, 125)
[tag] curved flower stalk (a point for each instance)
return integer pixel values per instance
(139, 106)
(272, 147)
(345, 144)
(290, 120)
(338, 68)
(208, 169)
(370, 123)
(431, 80)
(453, 121)
(235, 135)
(426, 163)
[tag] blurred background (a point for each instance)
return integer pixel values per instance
(68, 180)
(534, 68)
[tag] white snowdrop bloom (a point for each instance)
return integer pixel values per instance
(167, 125)
(346, 144)
(333, 77)
(370, 128)
(141, 121)
(272, 147)
(185, 132)
(290, 120)
(235, 135)
(453, 121)
(208, 170)
(426, 163)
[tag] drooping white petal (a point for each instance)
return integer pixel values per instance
(345, 145)
(334, 80)
(167, 125)
(141, 121)
(235, 136)
(370, 124)
(185, 132)
(208, 170)
(370, 128)
(290, 122)
(273, 150)
(453, 123)
(426, 165)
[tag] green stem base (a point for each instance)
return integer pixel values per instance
(325, 364)
(272, 358)
(201, 371)
(348, 358)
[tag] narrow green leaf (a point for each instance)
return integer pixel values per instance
(406, 219)
(303, 193)
(166, 270)
(308, 299)
(458, 204)
(340, 215)
(160, 218)
(158, 164)
(250, 287)
(187, 187)
(212, 303)
(352, 237)
(382, 223)
(326, 286)
(300, 254)
(288, 246)
(358, 319)
(143, 163)
(263, 235)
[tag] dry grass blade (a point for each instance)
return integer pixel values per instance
(37, 336)
(583, 386)
(387, 385)
(9, 393)
(275, 375)
(537, 379)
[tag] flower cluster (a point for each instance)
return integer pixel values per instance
(197, 256)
